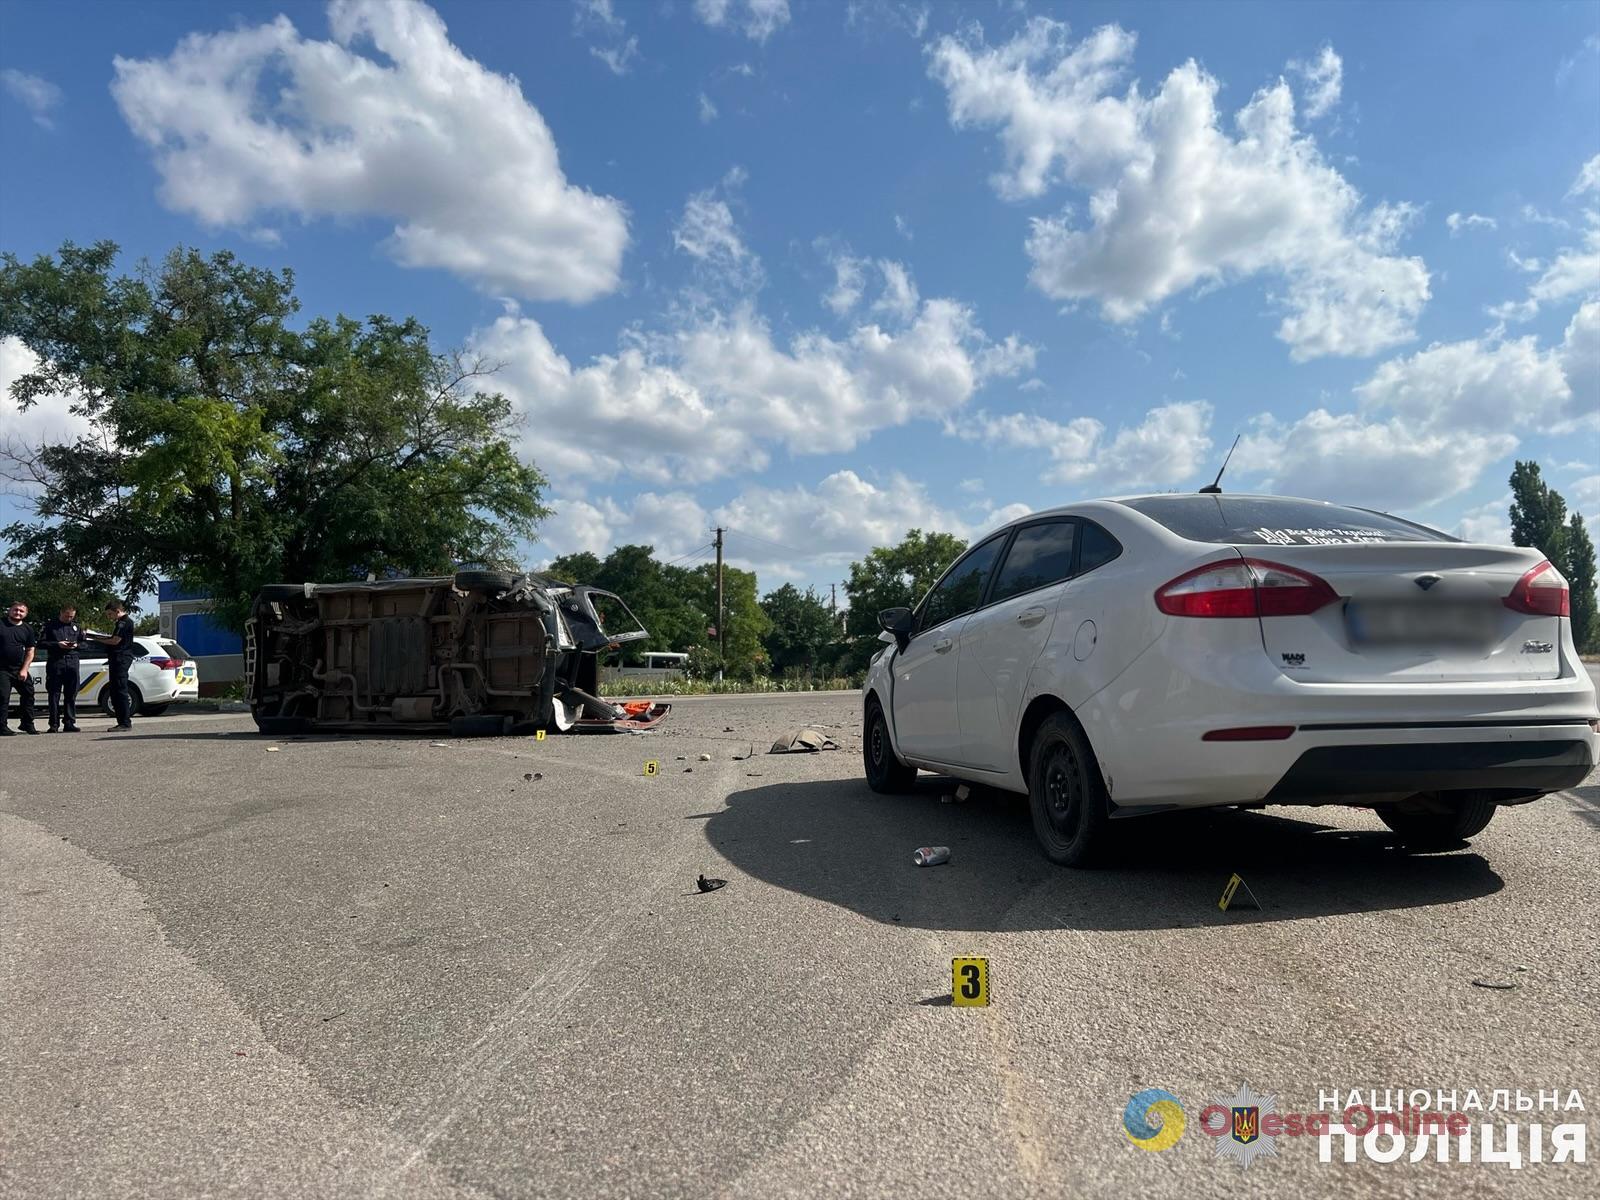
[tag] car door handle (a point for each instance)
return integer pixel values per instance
(1031, 616)
(942, 646)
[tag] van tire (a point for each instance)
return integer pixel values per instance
(492, 582)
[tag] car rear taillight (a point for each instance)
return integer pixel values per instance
(1542, 592)
(1250, 587)
(166, 664)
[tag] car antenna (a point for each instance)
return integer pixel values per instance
(1214, 488)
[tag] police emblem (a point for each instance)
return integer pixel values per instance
(1245, 1141)
(1246, 1123)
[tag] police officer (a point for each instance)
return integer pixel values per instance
(122, 647)
(61, 638)
(17, 642)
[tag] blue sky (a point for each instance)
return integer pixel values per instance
(823, 272)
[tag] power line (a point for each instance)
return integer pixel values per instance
(691, 554)
(770, 542)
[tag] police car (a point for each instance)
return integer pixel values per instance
(162, 674)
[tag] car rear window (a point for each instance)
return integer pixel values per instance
(1278, 521)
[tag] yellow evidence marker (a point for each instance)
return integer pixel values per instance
(969, 982)
(652, 767)
(538, 735)
(1234, 884)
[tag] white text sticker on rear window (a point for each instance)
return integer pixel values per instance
(1320, 537)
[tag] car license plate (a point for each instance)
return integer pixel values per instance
(1441, 623)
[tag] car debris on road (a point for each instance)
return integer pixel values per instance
(804, 740)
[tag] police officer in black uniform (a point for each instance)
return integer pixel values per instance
(17, 642)
(123, 648)
(61, 638)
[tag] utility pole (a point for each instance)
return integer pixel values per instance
(722, 659)
(833, 600)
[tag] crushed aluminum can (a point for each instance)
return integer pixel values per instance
(931, 856)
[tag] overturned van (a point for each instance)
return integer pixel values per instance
(476, 653)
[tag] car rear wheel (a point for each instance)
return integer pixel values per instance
(885, 772)
(1066, 794)
(1432, 821)
(135, 701)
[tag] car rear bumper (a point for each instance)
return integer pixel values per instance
(1367, 742)
(1511, 767)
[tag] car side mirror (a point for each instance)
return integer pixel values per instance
(897, 621)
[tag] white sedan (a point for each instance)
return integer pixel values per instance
(1121, 657)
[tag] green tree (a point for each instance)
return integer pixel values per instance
(1579, 568)
(801, 628)
(1538, 513)
(896, 576)
(746, 625)
(46, 595)
(232, 450)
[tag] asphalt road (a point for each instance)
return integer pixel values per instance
(234, 966)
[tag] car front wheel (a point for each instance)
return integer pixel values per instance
(1431, 822)
(885, 772)
(1066, 794)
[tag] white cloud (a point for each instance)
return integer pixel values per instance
(1457, 222)
(1479, 385)
(1573, 272)
(1580, 361)
(757, 19)
(1166, 448)
(1588, 179)
(849, 278)
(619, 59)
(708, 233)
(600, 13)
(1489, 524)
(899, 299)
(48, 421)
(708, 399)
(1433, 422)
(38, 95)
(903, 227)
(1174, 200)
(1586, 496)
(708, 110)
(671, 522)
(1324, 79)
(599, 18)
(1382, 464)
(260, 120)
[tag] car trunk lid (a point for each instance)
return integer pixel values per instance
(1411, 612)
